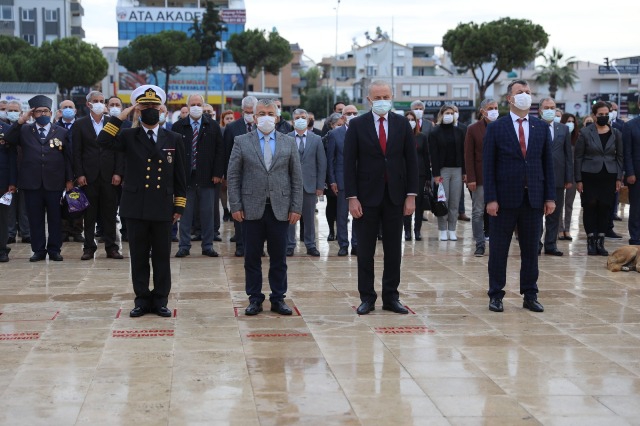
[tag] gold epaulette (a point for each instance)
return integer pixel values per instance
(111, 128)
(180, 201)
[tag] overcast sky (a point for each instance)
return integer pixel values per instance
(587, 31)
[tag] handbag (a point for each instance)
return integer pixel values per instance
(74, 202)
(439, 207)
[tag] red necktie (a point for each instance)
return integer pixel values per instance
(383, 136)
(523, 145)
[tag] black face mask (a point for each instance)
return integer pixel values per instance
(589, 123)
(310, 124)
(602, 120)
(207, 114)
(150, 116)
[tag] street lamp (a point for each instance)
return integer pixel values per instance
(335, 60)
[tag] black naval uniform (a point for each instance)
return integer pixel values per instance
(153, 189)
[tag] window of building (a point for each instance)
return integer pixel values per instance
(418, 71)
(6, 13)
(406, 90)
(461, 92)
(30, 38)
(28, 14)
(50, 37)
(344, 72)
(51, 15)
(399, 71)
(371, 71)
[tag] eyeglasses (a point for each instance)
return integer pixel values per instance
(348, 114)
(41, 111)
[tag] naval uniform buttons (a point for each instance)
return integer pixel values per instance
(147, 176)
(158, 177)
(148, 160)
(159, 161)
(148, 168)
(158, 187)
(146, 186)
(159, 169)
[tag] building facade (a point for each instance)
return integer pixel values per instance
(37, 21)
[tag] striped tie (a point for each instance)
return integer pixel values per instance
(194, 145)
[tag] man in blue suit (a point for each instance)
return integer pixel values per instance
(631, 140)
(335, 166)
(519, 188)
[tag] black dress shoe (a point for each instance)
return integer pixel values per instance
(379, 237)
(313, 252)
(343, 251)
(182, 253)
(254, 308)
(210, 253)
(479, 251)
(239, 253)
(87, 254)
(354, 251)
(331, 237)
(280, 307)
(232, 239)
(26, 240)
(4, 257)
(407, 236)
(173, 239)
(114, 254)
(12, 240)
(138, 311)
(217, 238)
(395, 306)
(553, 252)
(495, 305)
(289, 252)
(37, 257)
(56, 257)
(532, 305)
(418, 236)
(125, 239)
(365, 308)
(163, 311)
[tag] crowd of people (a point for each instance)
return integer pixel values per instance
(180, 181)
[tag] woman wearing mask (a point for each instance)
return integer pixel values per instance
(424, 174)
(331, 210)
(564, 227)
(446, 148)
(225, 118)
(598, 171)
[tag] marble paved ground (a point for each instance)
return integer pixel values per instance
(70, 355)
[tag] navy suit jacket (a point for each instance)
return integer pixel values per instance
(233, 129)
(506, 172)
(335, 156)
(631, 141)
(365, 165)
(8, 161)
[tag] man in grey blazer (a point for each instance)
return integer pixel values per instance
(264, 186)
(314, 171)
(424, 124)
(562, 169)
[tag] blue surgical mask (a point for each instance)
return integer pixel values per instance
(381, 106)
(548, 114)
(43, 120)
(570, 126)
(300, 124)
(13, 116)
(556, 119)
(68, 113)
(163, 117)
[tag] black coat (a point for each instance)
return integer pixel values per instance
(438, 141)
(154, 185)
(210, 158)
(91, 160)
(233, 129)
(8, 162)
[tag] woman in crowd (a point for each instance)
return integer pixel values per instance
(598, 172)
(446, 148)
(424, 175)
(225, 118)
(564, 227)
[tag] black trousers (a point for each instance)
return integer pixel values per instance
(388, 216)
(40, 202)
(103, 200)
(145, 235)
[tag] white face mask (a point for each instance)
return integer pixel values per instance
(548, 115)
(300, 124)
(570, 126)
(13, 116)
(3, 115)
(349, 118)
(163, 117)
(418, 113)
(266, 124)
(447, 119)
(522, 101)
(381, 107)
(412, 124)
(195, 112)
(279, 112)
(248, 118)
(492, 115)
(97, 108)
(613, 115)
(115, 111)
(556, 119)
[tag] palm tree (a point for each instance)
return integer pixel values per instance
(558, 73)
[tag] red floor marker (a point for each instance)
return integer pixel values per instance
(119, 312)
(273, 335)
(26, 335)
(407, 329)
(138, 334)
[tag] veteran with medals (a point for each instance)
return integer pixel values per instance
(153, 195)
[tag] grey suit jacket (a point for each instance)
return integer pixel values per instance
(249, 183)
(426, 126)
(590, 156)
(313, 163)
(562, 155)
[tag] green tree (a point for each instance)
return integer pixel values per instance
(252, 52)
(164, 52)
(208, 33)
(557, 72)
(503, 45)
(70, 62)
(16, 60)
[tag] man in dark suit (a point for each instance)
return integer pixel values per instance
(311, 127)
(44, 173)
(282, 125)
(337, 108)
(314, 171)
(204, 163)
(153, 195)
(98, 172)
(335, 165)
(265, 194)
(631, 140)
(619, 124)
(241, 126)
(424, 124)
(562, 155)
(519, 188)
(381, 182)
(8, 183)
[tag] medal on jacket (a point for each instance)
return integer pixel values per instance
(169, 157)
